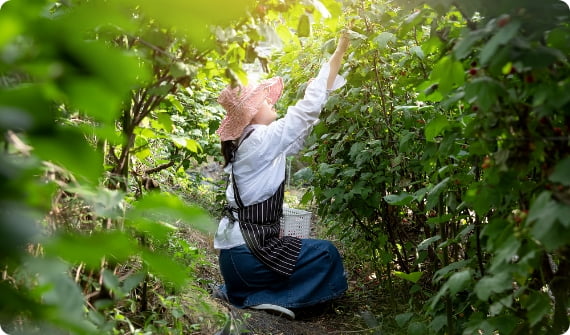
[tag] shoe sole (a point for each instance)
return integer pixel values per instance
(276, 310)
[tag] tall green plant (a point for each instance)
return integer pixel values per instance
(441, 160)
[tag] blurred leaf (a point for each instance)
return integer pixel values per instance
(448, 73)
(26, 108)
(10, 28)
(417, 328)
(164, 267)
(465, 46)
(91, 249)
(169, 208)
(538, 305)
(94, 98)
(424, 245)
(61, 292)
(412, 276)
(433, 194)
(179, 69)
(561, 172)
(550, 221)
(69, 149)
(438, 323)
(103, 201)
(304, 26)
(435, 127)
(117, 70)
(559, 38)
(112, 283)
(132, 281)
(490, 284)
(503, 36)
(401, 199)
(321, 8)
(193, 19)
(402, 319)
(483, 92)
(18, 228)
(459, 281)
(383, 39)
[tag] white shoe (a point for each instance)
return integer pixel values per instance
(2, 332)
(277, 310)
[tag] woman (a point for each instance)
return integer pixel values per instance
(262, 270)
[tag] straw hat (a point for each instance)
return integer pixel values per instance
(242, 103)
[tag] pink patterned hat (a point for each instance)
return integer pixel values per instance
(242, 102)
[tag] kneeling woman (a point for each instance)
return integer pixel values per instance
(261, 269)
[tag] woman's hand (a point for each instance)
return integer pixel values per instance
(336, 58)
(343, 43)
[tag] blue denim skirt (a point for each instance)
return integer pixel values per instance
(318, 277)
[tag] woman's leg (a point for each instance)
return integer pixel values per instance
(318, 277)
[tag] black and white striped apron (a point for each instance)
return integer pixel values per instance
(259, 225)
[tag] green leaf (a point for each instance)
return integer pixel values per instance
(164, 267)
(433, 195)
(464, 46)
(304, 26)
(550, 221)
(103, 201)
(112, 283)
(449, 73)
(417, 328)
(69, 149)
(558, 38)
(193, 19)
(132, 281)
(155, 207)
(179, 141)
(537, 306)
(60, 292)
(383, 39)
(438, 323)
(91, 249)
(401, 199)
(418, 51)
(504, 324)
(424, 245)
(180, 69)
(165, 121)
(561, 172)
(327, 169)
(94, 98)
(459, 281)
(10, 27)
(483, 92)
(493, 284)
(193, 146)
(502, 37)
(402, 319)
(444, 272)
(435, 127)
(412, 276)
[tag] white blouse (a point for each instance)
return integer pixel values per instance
(261, 158)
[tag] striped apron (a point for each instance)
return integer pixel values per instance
(259, 224)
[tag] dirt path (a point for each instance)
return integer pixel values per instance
(311, 322)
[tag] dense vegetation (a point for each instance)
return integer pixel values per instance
(443, 165)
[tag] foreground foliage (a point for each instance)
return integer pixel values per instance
(446, 161)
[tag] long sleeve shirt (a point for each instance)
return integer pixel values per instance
(260, 161)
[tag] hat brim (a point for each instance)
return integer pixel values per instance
(243, 104)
